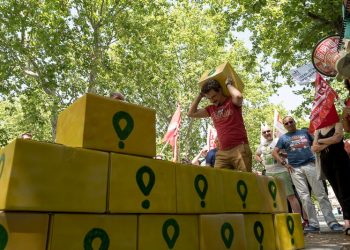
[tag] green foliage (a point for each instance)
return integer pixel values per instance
(153, 52)
(287, 30)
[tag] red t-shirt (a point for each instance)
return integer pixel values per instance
(228, 121)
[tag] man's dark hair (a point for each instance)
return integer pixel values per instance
(210, 85)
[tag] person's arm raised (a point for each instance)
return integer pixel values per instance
(194, 112)
(236, 95)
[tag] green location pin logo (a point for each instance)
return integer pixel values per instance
(227, 234)
(259, 233)
(2, 163)
(3, 237)
(201, 191)
(123, 130)
(145, 188)
(211, 72)
(273, 192)
(242, 190)
(290, 226)
(174, 229)
(93, 234)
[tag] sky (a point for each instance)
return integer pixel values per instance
(287, 98)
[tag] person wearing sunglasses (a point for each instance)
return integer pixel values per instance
(264, 156)
(226, 113)
(301, 166)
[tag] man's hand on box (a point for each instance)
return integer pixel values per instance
(228, 81)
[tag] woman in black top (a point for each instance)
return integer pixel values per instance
(335, 164)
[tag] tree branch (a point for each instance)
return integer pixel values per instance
(318, 18)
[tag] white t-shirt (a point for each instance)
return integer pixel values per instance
(265, 151)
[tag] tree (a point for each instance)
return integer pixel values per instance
(286, 31)
(152, 51)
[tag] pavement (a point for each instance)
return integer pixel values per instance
(326, 238)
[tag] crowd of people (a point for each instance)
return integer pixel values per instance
(290, 158)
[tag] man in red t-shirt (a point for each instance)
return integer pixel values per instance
(226, 113)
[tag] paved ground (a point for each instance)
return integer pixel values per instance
(327, 239)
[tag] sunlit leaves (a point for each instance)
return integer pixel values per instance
(153, 52)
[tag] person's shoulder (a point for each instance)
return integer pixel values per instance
(282, 137)
(210, 107)
(274, 141)
(303, 131)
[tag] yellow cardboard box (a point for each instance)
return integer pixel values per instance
(106, 124)
(91, 231)
(23, 231)
(273, 191)
(241, 192)
(141, 185)
(259, 231)
(220, 74)
(163, 232)
(199, 190)
(289, 231)
(39, 176)
(221, 232)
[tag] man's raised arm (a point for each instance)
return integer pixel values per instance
(194, 111)
(236, 95)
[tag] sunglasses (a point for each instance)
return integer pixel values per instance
(288, 123)
(267, 131)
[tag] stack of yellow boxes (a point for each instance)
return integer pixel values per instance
(100, 188)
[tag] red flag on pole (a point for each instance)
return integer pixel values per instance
(323, 111)
(173, 128)
(278, 128)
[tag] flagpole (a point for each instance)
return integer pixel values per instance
(275, 117)
(175, 153)
(161, 152)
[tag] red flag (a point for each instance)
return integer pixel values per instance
(323, 111)
(173, 128)
(278, 127)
